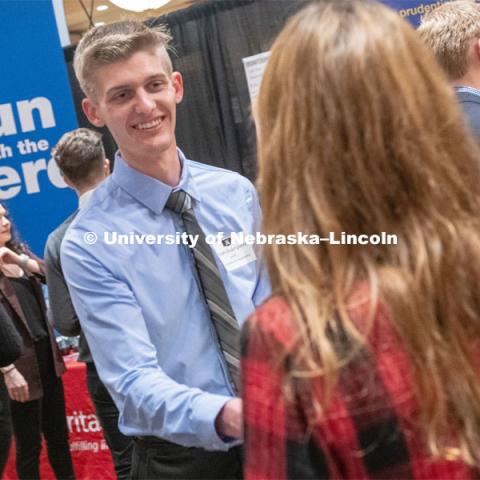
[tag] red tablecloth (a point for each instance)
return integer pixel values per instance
(91, 457)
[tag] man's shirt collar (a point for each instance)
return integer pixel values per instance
(149, 191)
(466, 89)
(83, 198)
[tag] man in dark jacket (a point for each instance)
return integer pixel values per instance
(81, 158)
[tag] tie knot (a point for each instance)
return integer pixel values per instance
(179, 201)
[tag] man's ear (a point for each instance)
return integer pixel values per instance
(177, 82)
(91, 112)
(476, 49)
(106, 167)
(68, 181)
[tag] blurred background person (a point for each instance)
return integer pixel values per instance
(365, 363)
(80, 156)
(33, 381)
(452, 32)
(10, 350)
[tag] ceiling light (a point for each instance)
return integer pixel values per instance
(102, 8)
(139, 5)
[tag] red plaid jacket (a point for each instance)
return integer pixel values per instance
(368, 430)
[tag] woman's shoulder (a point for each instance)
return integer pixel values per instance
(273, 324)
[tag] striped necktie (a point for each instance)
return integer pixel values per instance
(221, 312)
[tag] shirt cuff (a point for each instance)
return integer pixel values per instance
(205, 411)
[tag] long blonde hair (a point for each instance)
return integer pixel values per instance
(359, 132)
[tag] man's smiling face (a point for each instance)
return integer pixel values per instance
(137, 99)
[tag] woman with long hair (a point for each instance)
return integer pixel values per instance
(365, 364)
(33, 380)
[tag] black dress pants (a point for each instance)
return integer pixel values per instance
(154, 458)
(120, 446)
(43, 416)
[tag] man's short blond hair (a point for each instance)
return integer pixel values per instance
(448, 31)
(113, 43)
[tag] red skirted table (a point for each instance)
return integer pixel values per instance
(91, 456)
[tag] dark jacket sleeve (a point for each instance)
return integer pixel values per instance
(11, 345)
(61, 313)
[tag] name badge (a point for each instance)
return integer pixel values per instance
(234, 255)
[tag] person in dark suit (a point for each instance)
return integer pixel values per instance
(11, 347)
(33, 381)
(452, 32)
(81, 158)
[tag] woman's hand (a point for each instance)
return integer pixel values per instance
(16, 385)
(8, 256)
(27, 264)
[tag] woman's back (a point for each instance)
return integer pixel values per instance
(369, 430)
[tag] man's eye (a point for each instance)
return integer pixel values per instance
(119, 96)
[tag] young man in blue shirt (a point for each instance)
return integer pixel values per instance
(161, 319)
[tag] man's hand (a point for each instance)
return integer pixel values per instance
(229, 421)
(17, 386)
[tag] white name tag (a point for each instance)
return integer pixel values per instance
(234, 256)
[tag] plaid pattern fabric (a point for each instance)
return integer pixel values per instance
(368, 430)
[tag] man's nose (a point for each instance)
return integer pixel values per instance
(145, 103)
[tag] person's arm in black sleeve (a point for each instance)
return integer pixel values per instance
(11, 345)
(61, 313)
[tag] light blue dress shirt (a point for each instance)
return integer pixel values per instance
(141, 306)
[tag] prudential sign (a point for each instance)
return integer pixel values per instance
(413, 10)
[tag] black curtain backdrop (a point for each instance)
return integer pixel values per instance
(214, 124)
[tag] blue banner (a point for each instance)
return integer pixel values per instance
(413, 10)
(36, 108)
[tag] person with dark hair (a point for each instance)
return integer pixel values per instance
(365, 364)
(80, 156)
(11, 347)
(33, 380)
